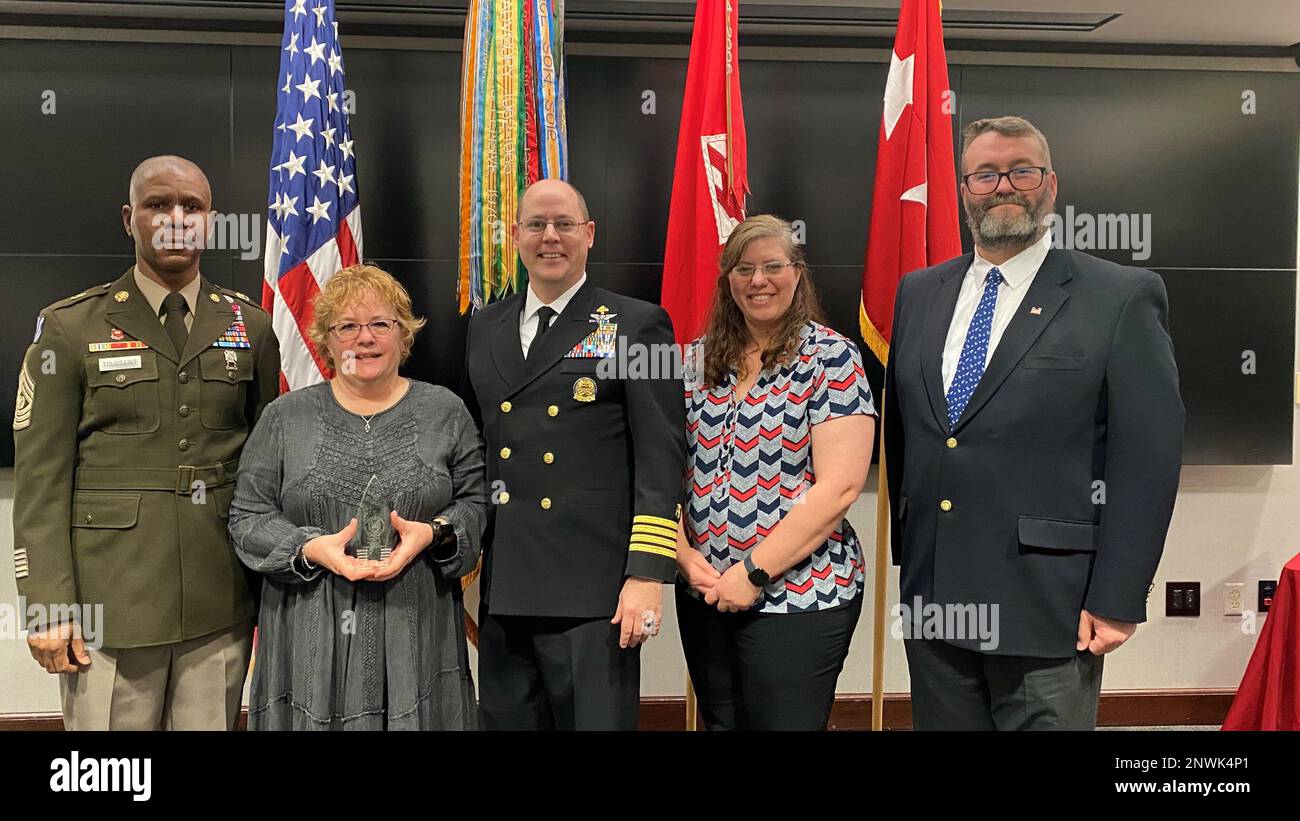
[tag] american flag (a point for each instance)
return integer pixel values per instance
(313, 209)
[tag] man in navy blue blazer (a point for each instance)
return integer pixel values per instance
(1033, 437)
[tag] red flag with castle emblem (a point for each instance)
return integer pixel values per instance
(709, 183)
(914, 205)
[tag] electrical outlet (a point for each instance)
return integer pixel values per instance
(1234, 597)
(1182, 598)
(1267, 589)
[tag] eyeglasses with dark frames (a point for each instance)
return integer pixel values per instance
(1026, 178)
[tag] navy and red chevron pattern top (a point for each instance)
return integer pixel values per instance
(750, 460)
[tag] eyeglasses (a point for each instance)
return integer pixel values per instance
(562, 226)
(347, 331)
(770, 269)
(1021, 179)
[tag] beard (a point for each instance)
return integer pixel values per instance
(1017, 230)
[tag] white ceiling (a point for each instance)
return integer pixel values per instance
(1212, 22)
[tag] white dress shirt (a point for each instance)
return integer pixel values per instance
(532, 302)
(1017, 275)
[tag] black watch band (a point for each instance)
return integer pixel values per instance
(443, 547)
(757, 575)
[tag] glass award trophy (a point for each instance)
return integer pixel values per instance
(375, 537)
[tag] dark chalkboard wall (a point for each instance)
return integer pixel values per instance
(1219, 186)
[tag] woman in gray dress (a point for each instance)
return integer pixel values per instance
(376, 640)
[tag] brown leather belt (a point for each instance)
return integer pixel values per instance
(178, 480)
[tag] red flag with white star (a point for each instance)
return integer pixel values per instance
(709, 183)
(914, 204)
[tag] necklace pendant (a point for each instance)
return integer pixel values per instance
(367, 426)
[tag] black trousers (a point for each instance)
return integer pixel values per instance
(546, 673)
(765, 671)
(958, 689)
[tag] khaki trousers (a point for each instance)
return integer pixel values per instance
(191, 685)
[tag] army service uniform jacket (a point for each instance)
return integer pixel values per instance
(586, 462)
(125, 459)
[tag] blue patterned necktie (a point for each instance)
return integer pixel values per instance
(974, 351)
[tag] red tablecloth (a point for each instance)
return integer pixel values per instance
(1269, 695)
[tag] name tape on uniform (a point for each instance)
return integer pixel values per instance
(120, 363)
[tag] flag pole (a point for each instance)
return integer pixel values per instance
(726, 28)
(690, 705)
(882, 567)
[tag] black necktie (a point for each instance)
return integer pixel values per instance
(544, 315)
(174, 309)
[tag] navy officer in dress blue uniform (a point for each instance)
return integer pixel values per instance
(586, 466)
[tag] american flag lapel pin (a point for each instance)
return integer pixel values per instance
(1035, 311)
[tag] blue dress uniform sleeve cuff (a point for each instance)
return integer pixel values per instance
(652, 550)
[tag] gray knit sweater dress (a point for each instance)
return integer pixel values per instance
(338, 655)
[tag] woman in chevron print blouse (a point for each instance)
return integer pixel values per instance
(780, 426)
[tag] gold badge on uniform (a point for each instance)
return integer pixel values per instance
(121, 296)
(584, 390)
(214, 297)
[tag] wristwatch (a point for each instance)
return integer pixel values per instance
(757, 575)
(443, 548)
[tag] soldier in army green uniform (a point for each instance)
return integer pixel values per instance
(134, 401)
